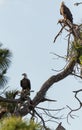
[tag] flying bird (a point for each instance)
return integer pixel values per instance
(65, 11)
(25, 83)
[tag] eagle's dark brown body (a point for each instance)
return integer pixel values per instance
(25, 83)
(65, 11)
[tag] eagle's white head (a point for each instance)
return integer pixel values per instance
(62, 3)
(25, 75)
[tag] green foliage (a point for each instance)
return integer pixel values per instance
(9, 106)
(5, 55)
(75, 47)
(79, 51)
(75, 50)
(16, 123)
(5, 60)
(72, 52)
(80, 59)
(10, 95)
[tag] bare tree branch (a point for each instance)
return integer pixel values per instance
(40, 96)
(73, 110)
(41, 119)
(58, 55)
(76, 4)
(53, 79)
(59, 33)
(50, 109)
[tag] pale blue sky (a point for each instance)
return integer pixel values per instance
(27, 28)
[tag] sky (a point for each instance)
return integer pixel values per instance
(27, 29)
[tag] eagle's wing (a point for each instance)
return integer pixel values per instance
(25, 83)
(65, 11)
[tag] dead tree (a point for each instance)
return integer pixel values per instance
(28, 105)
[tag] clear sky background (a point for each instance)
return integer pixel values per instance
(28, 28)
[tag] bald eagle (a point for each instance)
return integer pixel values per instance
(25, 83)
(65, 11)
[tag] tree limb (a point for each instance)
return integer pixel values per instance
(9, 100)
(76, 4)
(53, 79)
(39, 97)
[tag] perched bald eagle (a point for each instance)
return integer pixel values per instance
(65, 11)
(25, 83)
